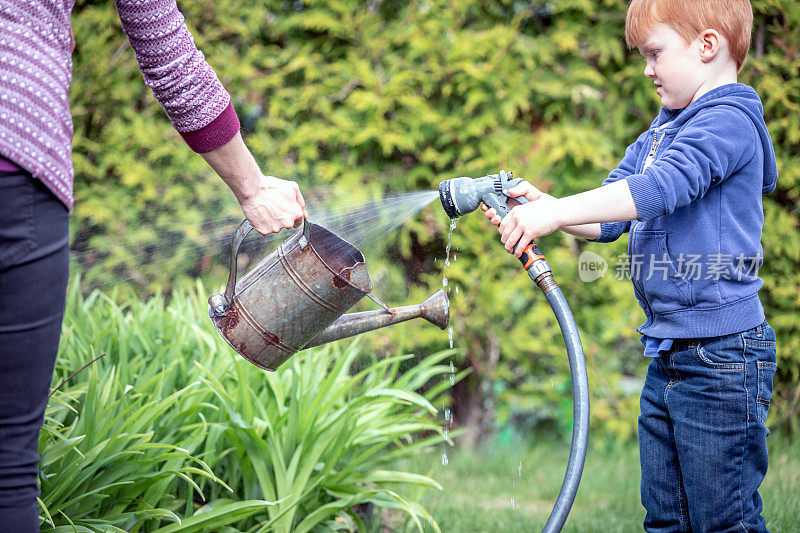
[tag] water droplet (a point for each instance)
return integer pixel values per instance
(452, 380)
(456, 289)
(513, 506)
(520, 469)
(444, 458)
(450, 333)
(444, 282)
(455, 257)
(452, 367)
(447, 418)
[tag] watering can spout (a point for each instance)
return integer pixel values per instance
(435, 310)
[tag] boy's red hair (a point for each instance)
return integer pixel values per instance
(733, 19)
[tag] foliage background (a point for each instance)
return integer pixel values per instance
(345, 95)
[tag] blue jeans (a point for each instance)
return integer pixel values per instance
(702, 433)
(34, 259)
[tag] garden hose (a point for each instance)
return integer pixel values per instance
(463, 195)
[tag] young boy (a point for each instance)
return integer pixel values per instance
(688, 192)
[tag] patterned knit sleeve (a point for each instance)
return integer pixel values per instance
(194, 99)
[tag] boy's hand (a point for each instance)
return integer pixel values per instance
(524, 222)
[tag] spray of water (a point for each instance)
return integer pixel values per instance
(363, 221)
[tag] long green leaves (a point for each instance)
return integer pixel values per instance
(173, 432)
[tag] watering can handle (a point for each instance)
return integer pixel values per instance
(241, 232)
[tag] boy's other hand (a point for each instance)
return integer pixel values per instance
(526, 222)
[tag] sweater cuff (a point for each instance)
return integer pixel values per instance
(217, 133)
(609, 231)
(647, 196)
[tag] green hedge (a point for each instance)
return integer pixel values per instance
(395, 96)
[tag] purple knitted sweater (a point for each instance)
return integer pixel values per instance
(36, 70)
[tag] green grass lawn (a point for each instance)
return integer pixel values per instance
(513, 488)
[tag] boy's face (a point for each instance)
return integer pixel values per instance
(675, 67)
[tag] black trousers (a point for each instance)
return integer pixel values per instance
(34, 263)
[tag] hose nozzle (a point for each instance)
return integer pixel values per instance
(460, 196)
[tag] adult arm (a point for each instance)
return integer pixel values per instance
(200, 109)
(269, 203)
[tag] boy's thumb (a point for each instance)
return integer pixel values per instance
(517, 189)
(524, 188)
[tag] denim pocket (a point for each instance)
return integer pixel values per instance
(722, 353)
(766, 373)
(16, 218)
(760, 343)
(761, 336)
(662, 285)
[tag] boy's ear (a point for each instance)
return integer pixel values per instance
(710, 43)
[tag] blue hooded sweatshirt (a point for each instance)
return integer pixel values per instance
(697, 176)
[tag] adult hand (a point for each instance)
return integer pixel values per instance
(269, 203)
(273, 204)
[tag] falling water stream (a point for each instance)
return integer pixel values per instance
(448, 418)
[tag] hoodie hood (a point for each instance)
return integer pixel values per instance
(742, 97)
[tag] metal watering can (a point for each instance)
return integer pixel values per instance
(296, 298)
